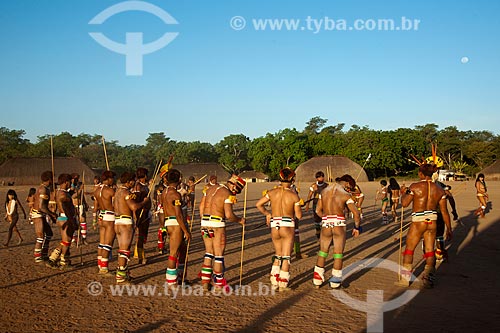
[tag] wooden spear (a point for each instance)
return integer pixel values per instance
(105, 153)
(243, 234)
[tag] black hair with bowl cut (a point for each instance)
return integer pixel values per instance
(141, 172)
(287, 175)
(126, 177)
(108, 174)
(46, 176)
(348, 179)
(64, 177)
(427, 169)
(173, 176)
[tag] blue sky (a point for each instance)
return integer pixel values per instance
(212, 81)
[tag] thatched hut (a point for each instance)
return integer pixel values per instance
(27, 170)
(492, 172)
(198, 170)
(332, 166)
(254, 176)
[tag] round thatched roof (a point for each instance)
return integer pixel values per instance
(492, 172)
(198, 170)
(27, 170)
(332, 167)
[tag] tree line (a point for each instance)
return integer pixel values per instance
(391, 151)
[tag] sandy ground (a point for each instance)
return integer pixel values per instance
(465, 299)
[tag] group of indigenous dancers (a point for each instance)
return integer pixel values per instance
(121, 211)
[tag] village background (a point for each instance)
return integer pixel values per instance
(252, 98)
(463, 299)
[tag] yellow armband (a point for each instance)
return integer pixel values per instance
(231, 199)
(177, 203)
(299, 203)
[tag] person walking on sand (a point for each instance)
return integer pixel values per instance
(30, 200)
(160, 213)
(359, 197)
(143, 216)
(39, 215)
(125, 206)
(216, 207)
(176, 226)
(441, 252)
(426, 196)
(66, 221)
(81, 207)
(383, 195)
(296, 220)
(105, 213)
(331, 204)
(285, 207)
(191, 188)
(314, 191)
(394, 193)
(97, 184)
(482, 195)
(12, 215)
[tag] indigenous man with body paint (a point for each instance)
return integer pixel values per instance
(331, 204)
(441, 252)
(97, 184)
(106, 220)
(175, 223)
(80, 206)
(162, 231)
(314, 192)
(125, 206)
(426, 197)
(66, 221)
(212, 180)
(285, 206)
(39, 213)
(191, 188)
(216, 207)
(143, 215)
(296, 238)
